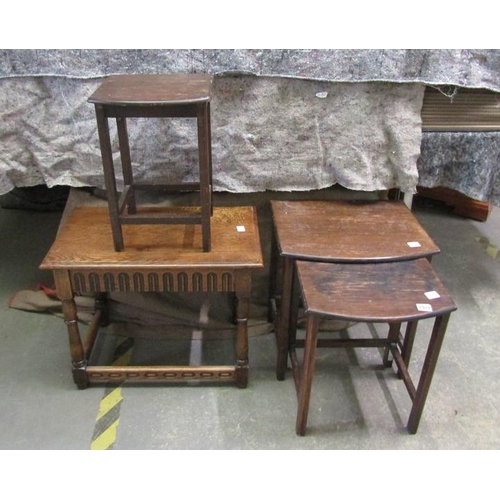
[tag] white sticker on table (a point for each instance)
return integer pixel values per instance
(424, 307)
(432, 295)
(414, 244)
(240, 229)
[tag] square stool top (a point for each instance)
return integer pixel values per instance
(154, 89)
(350, 231)
(385, 292)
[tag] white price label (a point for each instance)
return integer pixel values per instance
(414, 244)
(424, 307)
(432, 295)
(240, 229)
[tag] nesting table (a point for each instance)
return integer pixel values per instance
(395, 292)
(157, 258)
(338, 231)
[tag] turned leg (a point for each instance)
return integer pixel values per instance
(242, 309)
(77, 350)
(75, 343)
(243, 290)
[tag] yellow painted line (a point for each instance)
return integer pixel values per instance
(123, 360)
(107, 438)
(109, 402)
(491, 249)
(107, 419)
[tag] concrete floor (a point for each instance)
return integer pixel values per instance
(355, 404)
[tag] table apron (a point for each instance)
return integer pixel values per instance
(214, 280)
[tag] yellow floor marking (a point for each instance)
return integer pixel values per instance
(491, 249)
(109, 402)
(123, 360)
(107, 419)
(106, 439)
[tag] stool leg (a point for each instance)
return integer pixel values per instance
(128, 177)
(109, 176)
(209, 142)
(435, 343)
(307, 373)
(284, 318)
(205, 174)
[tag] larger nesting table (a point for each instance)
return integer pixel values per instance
(156, 259)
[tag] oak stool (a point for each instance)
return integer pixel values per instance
(342, 231)
(156, 96)
(393, 293)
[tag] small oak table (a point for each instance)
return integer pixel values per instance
(157, 259)
(395, 292)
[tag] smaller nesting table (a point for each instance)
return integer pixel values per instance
(153, 96)
(156, 259)
(391, 293)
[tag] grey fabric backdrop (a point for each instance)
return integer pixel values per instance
(462, 67)
(283, 119)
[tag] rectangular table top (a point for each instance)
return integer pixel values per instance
(153, 89)
(85, 242)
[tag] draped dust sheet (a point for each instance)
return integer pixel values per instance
(283, 119)
(267, 134)
(467, 162)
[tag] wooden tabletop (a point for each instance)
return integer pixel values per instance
(383, 292)
(350, 231)
(85, 241)
(153, 89)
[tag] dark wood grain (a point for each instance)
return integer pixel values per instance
(386, 292)
(349, 231)
(85, 241)
(153, 89)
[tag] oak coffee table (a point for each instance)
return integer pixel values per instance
(157, 258)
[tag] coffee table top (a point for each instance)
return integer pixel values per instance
(350, 231)
(85, 242)
(153, 89)
(384, 292)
